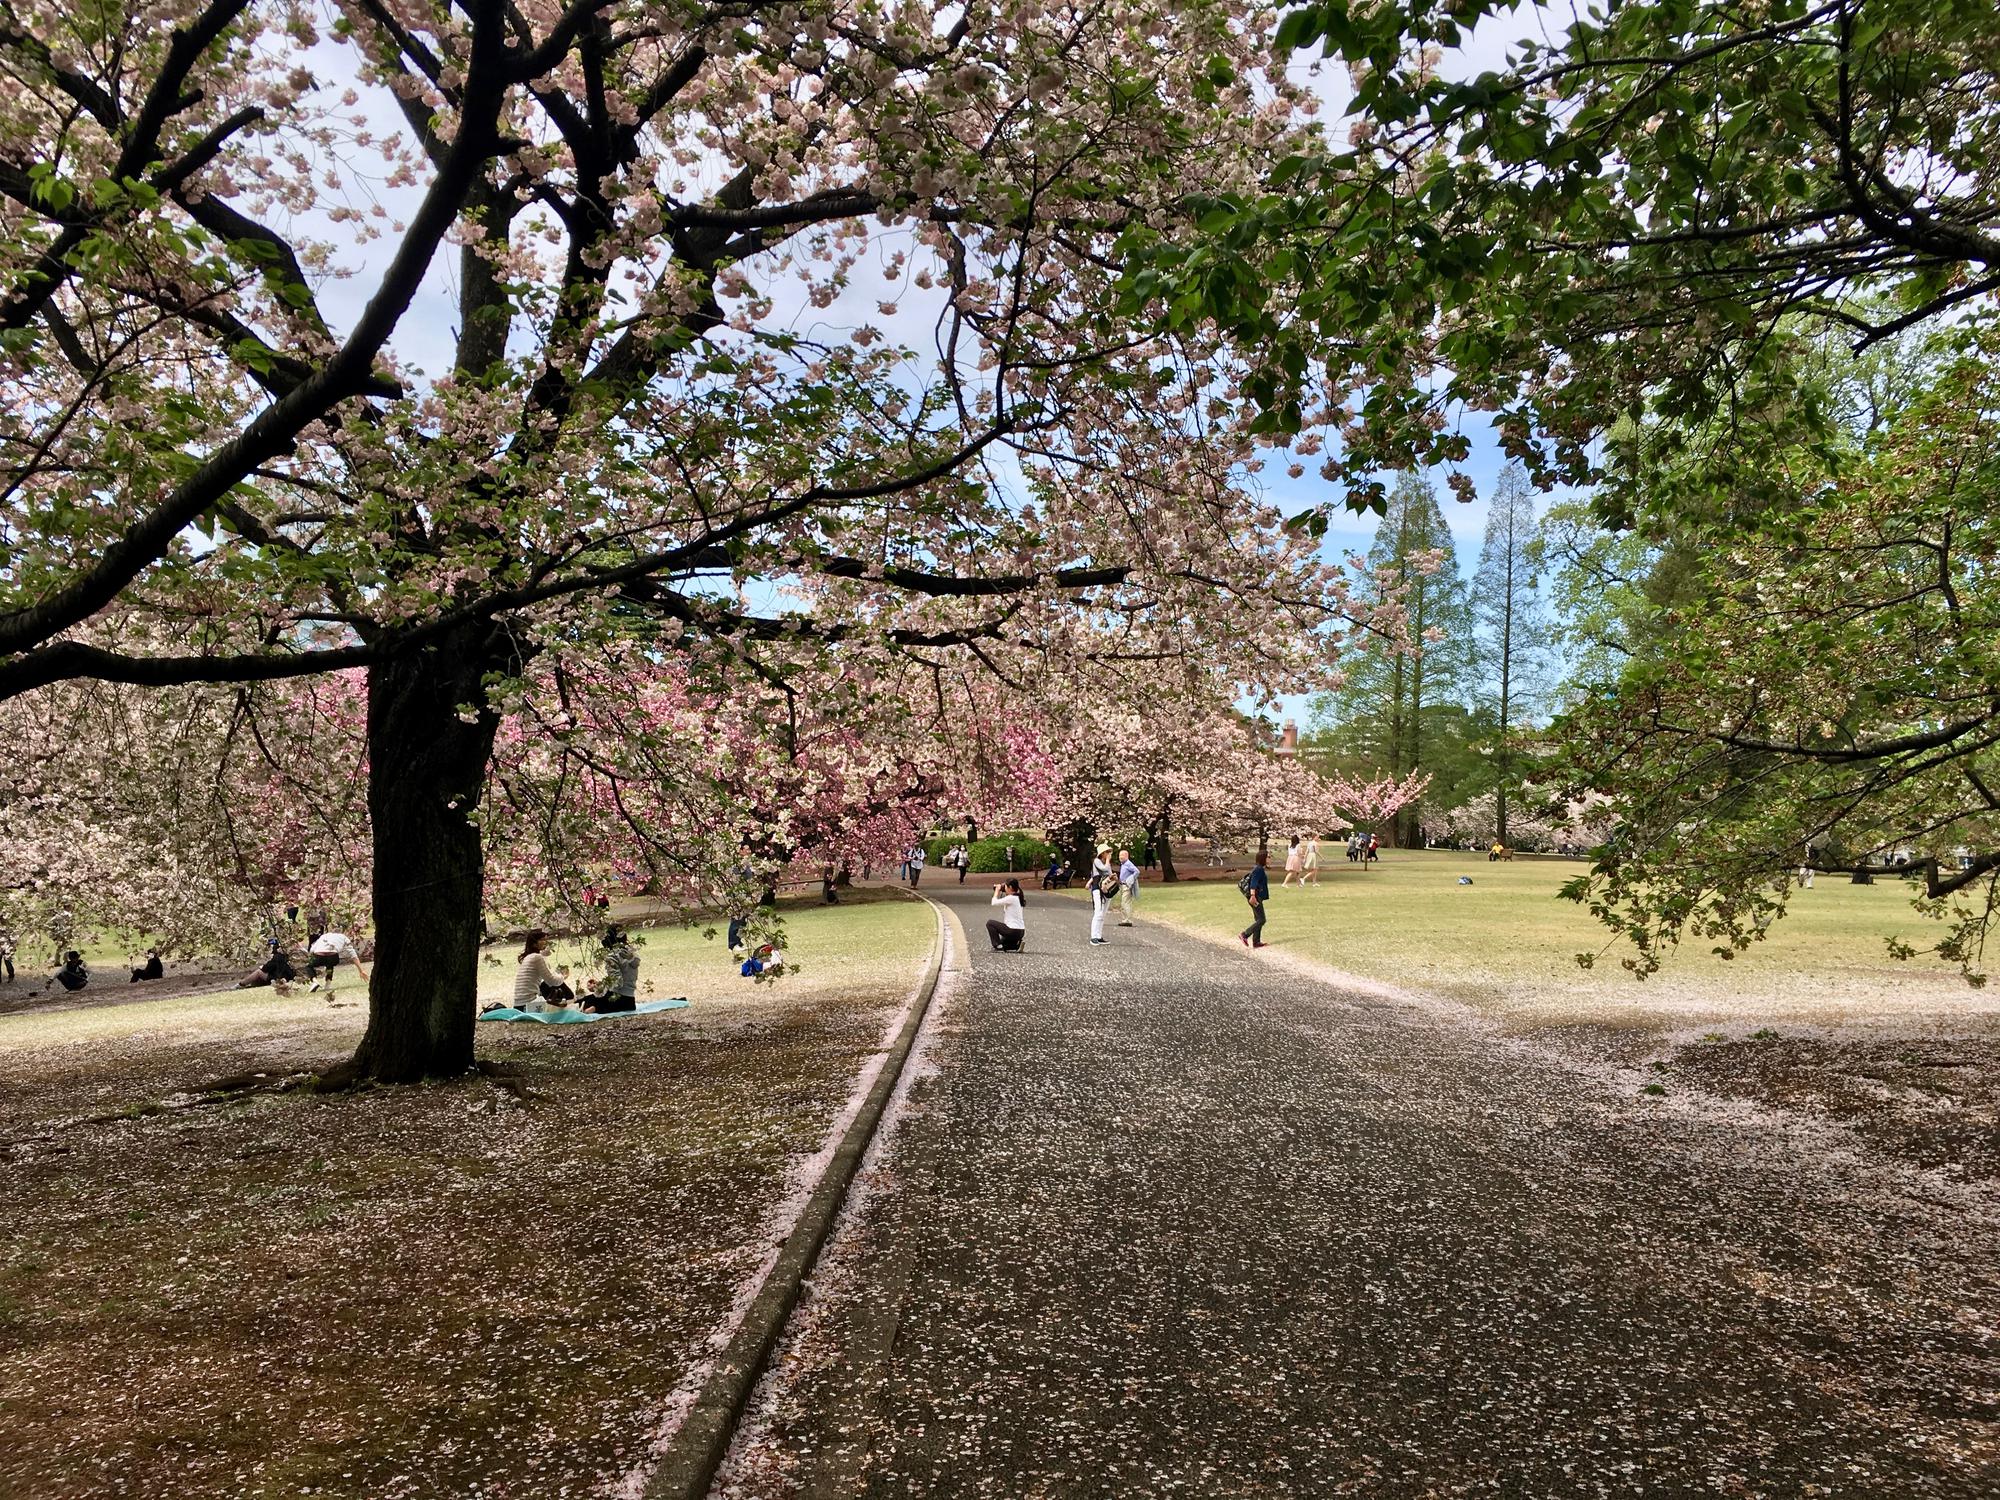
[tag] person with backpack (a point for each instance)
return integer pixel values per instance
(1103, 886)
(1256, 889)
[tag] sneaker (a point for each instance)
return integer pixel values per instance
(1099, 940)
(1243, 938)
(1124, 924)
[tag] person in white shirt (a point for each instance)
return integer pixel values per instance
(917, 857)
(535, 982)
(1103, 885)
(1009, 930)
(324, 957)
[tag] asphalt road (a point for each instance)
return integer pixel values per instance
(1168, 1221)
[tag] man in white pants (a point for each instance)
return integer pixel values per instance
(1103, 881)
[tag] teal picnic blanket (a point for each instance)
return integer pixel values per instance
(577, 1017)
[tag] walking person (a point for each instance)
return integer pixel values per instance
(964, 862)
(917, 857)
(1128, 887)
(1806, 870)
(1294, 862)
(1103, 881)
(1008, 932)
(1309, 867)
(1256, 889)
(1374, 852)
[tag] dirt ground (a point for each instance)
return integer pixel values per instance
(1818, 1022)
(453, 1290)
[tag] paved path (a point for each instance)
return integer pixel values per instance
(1168, 1221)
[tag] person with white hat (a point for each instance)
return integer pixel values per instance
(1103, 886)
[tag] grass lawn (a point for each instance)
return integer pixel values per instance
(437, 1290)
(1507, 945)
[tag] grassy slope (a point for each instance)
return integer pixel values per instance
(418, 1291)
(1508, 945)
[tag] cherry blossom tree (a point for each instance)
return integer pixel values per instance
(456, 342)
(1374, 802)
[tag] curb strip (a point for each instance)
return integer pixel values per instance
(699, 1444)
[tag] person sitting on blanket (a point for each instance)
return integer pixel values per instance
(73, 975)
(153, 968)
(620, 991)
(536, 985)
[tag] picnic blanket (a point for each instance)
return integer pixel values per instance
(577, 1017)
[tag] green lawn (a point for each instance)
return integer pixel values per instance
(865, 941)
(869, 933)
(1507, 944)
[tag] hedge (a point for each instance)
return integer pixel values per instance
(989, 855)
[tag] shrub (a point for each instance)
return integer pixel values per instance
(989, 854)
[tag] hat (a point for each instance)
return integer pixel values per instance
(1103, 848)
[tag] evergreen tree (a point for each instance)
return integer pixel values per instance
(1512, 640)
(1401, 712)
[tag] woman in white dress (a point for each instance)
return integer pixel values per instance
(1309, 866)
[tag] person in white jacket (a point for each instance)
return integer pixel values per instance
(1009, 930)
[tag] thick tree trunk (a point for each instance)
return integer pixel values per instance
(1163, 845)
(1081, 840)
(426, 770)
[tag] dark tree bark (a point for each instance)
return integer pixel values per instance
(426, 768)
(1081, 839)
(1159, 834)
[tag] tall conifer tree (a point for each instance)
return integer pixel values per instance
(1511, 642)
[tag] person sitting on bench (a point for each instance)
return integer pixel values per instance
(1009, 930)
